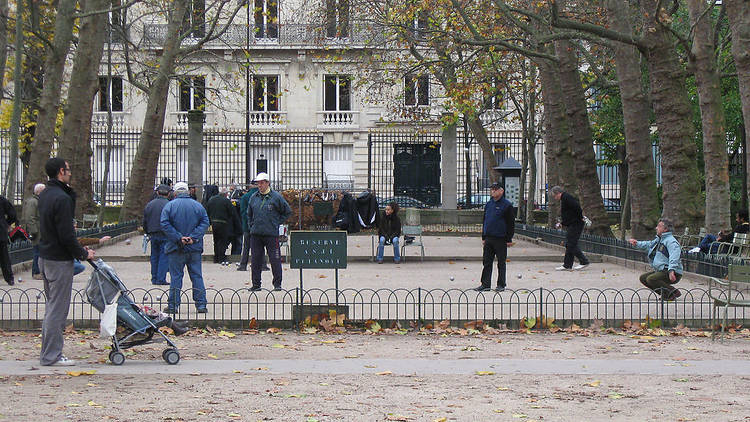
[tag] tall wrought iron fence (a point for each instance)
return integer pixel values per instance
(698, 263)
(24, 309)
(20, 251)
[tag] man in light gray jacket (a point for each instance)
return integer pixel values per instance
(30, 218)
(266, 211)
(664, 255)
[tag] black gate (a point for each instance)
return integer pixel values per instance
(416, 172)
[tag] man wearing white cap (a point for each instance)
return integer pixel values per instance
(266, 211)
(184, 222)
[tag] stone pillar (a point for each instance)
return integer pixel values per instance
(195, 151)
(448, 168)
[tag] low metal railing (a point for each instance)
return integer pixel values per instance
(24, 309)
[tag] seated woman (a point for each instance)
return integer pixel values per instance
(389, 230)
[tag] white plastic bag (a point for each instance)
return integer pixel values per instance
(587, 222)
(144, 245)
(108, 322)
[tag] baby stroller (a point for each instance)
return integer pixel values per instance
(138, 327)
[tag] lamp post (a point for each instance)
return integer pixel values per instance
(248, 174)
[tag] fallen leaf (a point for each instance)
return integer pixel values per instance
(94, 404)
(253, 325)
(79, 373)
(519, 416)
(384, 373)
(273, 330)
(212, 356)
(278, 346)
(485, 373)
(594, 383)
(223, 333)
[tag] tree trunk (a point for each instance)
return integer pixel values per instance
(644, 205)
(680, 176)
(738, 12)
(143, 174)
(75, 135)
(49, 102)
(480, 134)
(707, 80)
(582, 141)
(560, 168)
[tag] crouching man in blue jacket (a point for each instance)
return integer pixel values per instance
(664, 256)
(266, 211)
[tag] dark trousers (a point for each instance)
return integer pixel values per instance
(35, 261)
(221, 241)
(659, 282)
(494, 247)
(571, 246)
(271, 246)
(236, 241)
(5, 262)
(246, 253)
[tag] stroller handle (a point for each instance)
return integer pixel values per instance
(93, 264)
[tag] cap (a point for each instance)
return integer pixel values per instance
(181, 186)
(163, 189)
(496, 186)
(261, 176)
(166, 181)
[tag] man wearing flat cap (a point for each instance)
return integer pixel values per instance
(497, 234)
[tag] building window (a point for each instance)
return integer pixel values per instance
(192, 93)
(418, 26)
(337, 92)
(417, 90)
(494, 99)
(194, 22)
(110, 92)
(182, 164)
(265, 93)
(116, 29)
(266, 19)
(337, 18)
(116, 178)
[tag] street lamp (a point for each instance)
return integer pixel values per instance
(248, 174)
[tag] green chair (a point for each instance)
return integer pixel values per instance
(416, 232)
(729, 293)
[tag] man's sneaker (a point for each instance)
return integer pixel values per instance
(202, 310)
(580, 266)
(255, 289)
(481, 289)
(675, 294)
(241, 268)
(38, 276)
(563, 268)
(63, 361)
(10, 282)
(500, 289)
(277, 288)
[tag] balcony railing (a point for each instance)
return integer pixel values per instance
(338, 119)
(99, 118)
(268, 119)
(359, 34)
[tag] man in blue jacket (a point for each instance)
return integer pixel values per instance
(152, 227)
(497, 234)
(184, 222)
(664, 255)
(266, 211)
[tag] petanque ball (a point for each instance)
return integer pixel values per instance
(452, 278)
(127, 241)
(519, 275)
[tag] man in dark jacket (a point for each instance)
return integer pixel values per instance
(152, 227)
(184, 222)
(7, 217)
(571, 217)
(266, 211)
(58, 248)
(244, 201)
(224, 222)
(498, 228)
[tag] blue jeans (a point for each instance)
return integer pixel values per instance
(35, 261)
(78, 267)
(381, 247)
(159, 261)
(177, 262)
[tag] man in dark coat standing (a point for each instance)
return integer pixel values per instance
(571, 217)
(7, 217)
(152, 227)
(224, 222)
(57, 250)
(498, 228)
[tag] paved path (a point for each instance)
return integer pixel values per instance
(402, 367)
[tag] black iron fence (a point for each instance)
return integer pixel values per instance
(24, 309)
(699, 263)
(20, 251)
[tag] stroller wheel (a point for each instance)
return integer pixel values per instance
(171, 356)
(117, 358)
